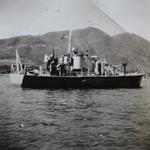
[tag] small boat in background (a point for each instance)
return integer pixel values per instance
(17, 72)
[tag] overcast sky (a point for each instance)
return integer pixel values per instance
(132, 15)
(20, 17)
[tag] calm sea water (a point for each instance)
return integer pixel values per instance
(74, 119)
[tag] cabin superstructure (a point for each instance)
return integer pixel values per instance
(78, 63)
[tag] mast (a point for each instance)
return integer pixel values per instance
(18, 63)
(69, 44)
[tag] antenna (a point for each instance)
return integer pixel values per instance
(53, 50)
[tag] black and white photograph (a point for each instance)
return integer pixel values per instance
(74, 75)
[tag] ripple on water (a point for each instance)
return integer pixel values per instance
(74, 119)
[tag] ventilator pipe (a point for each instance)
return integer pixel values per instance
(124, 68)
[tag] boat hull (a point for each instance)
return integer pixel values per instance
(101, 82)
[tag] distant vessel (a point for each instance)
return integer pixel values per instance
(17, 72)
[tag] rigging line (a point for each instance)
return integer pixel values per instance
(99, 9)
(30, 22)
(42, 13)
(112, 19)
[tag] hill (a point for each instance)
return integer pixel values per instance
(135, 49)
(116, 49)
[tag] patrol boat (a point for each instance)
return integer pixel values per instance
(75, 70)
(79, 70)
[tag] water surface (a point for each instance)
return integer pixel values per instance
(74, 119)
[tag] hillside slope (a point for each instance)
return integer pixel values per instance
(116, 49)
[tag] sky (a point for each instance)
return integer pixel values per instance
(22, 17)
(132, 15)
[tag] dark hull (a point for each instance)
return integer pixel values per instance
(31, 81)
